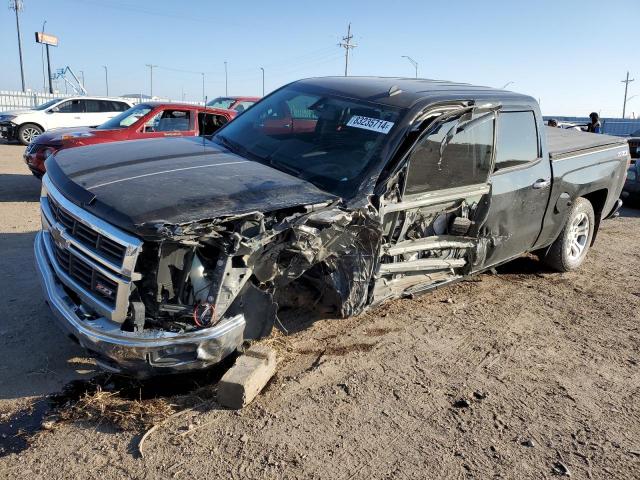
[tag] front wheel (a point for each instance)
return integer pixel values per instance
(570, 248)
(28, 132)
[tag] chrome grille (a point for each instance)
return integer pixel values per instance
(88, 277)
(90, 256)
(87, 236)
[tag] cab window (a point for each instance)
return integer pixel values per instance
(517, 142)
(456, 153)
(169, 121)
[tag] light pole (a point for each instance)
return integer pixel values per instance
(16, 6)
(203, 95)
(82, 76)
(261, 68)
(151, 70)
(413, 62)
(106, 78)
(506, 85)
(226, 80)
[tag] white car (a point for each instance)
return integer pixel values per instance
(25, 125)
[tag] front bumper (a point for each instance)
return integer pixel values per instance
(8, 131)
(33, 161)
(137, 354)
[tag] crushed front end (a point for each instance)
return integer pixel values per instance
(194, 293)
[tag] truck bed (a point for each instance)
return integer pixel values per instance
(566, 143)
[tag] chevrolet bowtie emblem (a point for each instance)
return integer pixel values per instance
(57, 236)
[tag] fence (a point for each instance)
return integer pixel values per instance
(19, 100)
(611, 126)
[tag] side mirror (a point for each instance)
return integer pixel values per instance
(52, 110)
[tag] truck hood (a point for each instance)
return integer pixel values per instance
(143, 185)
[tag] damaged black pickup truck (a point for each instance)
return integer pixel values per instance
(330, 193)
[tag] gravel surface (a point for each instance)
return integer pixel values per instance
(521, 374)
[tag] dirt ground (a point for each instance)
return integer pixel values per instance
(522, 374)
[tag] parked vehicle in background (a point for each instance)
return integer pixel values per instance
(239, 104)
(25, 125)
(145, 120)
(572, 126)
(163, 256)
(634, 144)
(631, 189)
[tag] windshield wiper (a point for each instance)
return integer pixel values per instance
(283, 166)
(233, 147)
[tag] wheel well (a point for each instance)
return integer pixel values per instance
(31, 123)
(597, 199)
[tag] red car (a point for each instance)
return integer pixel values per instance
(144, 120)
(237, 104)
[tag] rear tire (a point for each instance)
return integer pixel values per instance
(28, 132)
(570, 248)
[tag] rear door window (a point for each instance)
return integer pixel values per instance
(517, 142)
(93, 106)
(209, 123)
(457, 153)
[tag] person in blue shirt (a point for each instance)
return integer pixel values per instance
(594, 126)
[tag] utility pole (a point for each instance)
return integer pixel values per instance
(412, 62)
(106, 78)
(17, 6)
(626, 87)
(261, 68)
(151, 69)
(347, 45)
(226, 80)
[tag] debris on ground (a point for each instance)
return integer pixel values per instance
(561, 469)
(250, 374)
(102, 406)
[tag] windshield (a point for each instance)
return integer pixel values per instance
(46, 105)
(126, 118)
(221, 102)
(325, 139)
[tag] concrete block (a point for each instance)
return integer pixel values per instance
(248, 376)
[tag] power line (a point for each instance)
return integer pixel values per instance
(347, 45)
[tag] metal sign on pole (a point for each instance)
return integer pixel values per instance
(47, 39)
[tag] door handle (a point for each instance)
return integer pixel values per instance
(541, 183)
(76, 118)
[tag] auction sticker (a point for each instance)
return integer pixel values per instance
(367, 123)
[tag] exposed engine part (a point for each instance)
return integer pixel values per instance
(460, 226)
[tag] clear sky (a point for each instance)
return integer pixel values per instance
(569, 54)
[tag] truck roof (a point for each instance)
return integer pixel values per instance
(412, 90)
(562, 142)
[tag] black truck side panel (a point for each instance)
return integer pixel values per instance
(597, 170)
